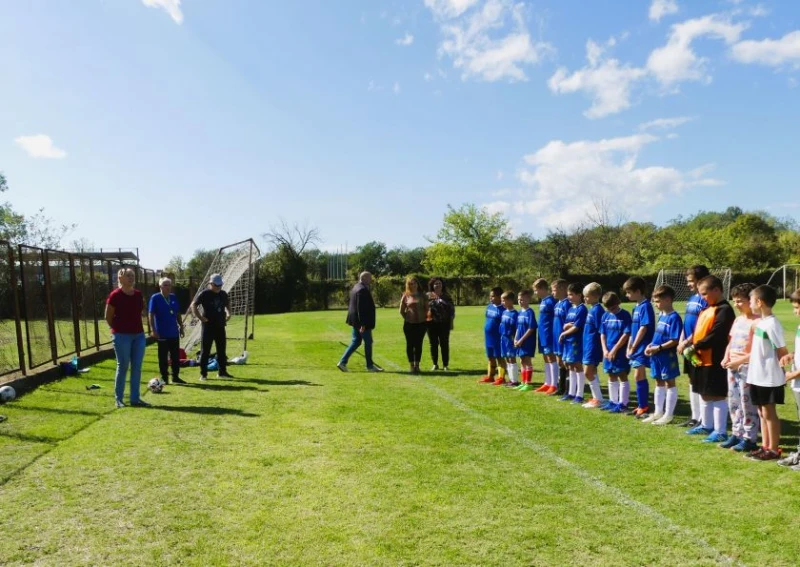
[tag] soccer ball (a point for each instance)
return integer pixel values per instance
(7, 394)
(156, 385)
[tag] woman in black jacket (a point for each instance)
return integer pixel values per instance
(441, 312)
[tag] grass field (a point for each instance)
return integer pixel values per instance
(295, 463)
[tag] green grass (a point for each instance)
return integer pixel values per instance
(296, 463)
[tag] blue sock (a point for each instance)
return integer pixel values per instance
(642, 393)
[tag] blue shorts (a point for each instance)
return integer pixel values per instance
(545, 344)
(493, 349)
(528, 348)
(619, 365)
(664, 366)
(641, 360)
(592, 356)
(558, 347)
(507, 348)
(572, 353)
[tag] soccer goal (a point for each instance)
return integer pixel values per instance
(786, 279)
(676, 279)
(237, 264)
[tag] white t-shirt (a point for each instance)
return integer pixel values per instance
(765, 369)
(796, 381)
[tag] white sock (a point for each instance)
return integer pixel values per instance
(580, 388)
(695, 402)
(553, 373)
(573, 382)
(594, 386)
(672, 401)
(707, 413)
(720, 416)
(613, 391)
(660, 399)
(546, 372)
(511, 370)
(625, 393)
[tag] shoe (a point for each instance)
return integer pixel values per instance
(435, 368)
(689, 423)
(374, 368)
(732, 441)
(745, 446)
(641, 413)
(652, 417)
(754, 453)
(176, 380)
(617, 408)
(526, 388)
(120, 404)
(224, 375)
(790, 460)
(699, 430)
(542, 388)
(203, 378)
(446, 369)
(499, 382)
(716, 438)
(486, 380)
(593, 403)
(513, 384)
(552, 391)
(665, 420)
(578, 400)
(765, 455)
(141, 404)
(566, 398)
(629, 411)
(343, 367)
(165, 380)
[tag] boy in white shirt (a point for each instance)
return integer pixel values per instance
(793, 460)
(765, 375)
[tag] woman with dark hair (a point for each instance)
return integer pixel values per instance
(413, 309)
(441, 312)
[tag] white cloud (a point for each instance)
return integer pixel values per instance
(566, 179)
(770, 52)
(661, 8)
(489, 42)
(605, 80)
(372, 86)
(40, 146)
(428, 77)
(676, 61)
(665, 123)
(497, 207)
(171, 7)
(396, 88)
(406, 40)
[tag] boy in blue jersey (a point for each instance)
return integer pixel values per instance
(663, 355)
(642, 328)
(491, 332)
(592, 349)
(525, 340)
(559, 291)
(572, 343)
(508, 330)
(694, 306)
(615, 331)
(547, 304)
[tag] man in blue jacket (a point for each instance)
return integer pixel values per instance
(361, 317)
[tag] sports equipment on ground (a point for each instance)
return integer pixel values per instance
(237, 263)
(7, 393)
(676, 279)
(156, 385)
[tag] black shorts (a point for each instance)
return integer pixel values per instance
(688, 369)
(766, 395)
(710, 381)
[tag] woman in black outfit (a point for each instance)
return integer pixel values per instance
(441, 312)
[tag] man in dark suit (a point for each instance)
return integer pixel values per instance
(361, 316)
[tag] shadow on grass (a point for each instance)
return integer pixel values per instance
(31, 438)
(64, 411)
(266, 382)
(224, 387)
(205, 410)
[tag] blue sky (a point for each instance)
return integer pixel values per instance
(174, 125)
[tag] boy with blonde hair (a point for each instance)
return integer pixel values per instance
(592, 348)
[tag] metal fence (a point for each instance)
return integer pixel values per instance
(52, 304)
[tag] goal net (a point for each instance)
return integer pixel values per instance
(676, 279)
(237, 264)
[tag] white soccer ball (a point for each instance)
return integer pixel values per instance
(156, 385)
(7, 394)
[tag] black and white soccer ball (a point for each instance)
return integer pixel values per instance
(156, 385)
(7, 393)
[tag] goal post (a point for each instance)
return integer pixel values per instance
(786, 279)
(237, 264)
(676, 279)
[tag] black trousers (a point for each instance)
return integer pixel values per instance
(415, 335)
(169, 347)
(439, 334)
(213, 334)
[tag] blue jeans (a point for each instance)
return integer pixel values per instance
(129, 349)
(358, 337)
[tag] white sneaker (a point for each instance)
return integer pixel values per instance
(435, 367)
(652, 418)
(665, 420)
(343, 367)
(790, 460)
(203, 378)
(446, 369)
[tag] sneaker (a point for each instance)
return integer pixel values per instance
(745, 446)
(513, 384)
(766, 455)
(552, 391)
(374, 368)
(716, 438)
(203, 377)
(343, 367)
(434, 368)
(607, 405)
(652, 417)
(689, 423)
(486, 380)
(754, 454)
(141, 404)
(499, 382)
(665, 420)
(526, 388)
(224, 375)
(120, 404)
(543, 388)
(629, 411)
(566, 398)
(176, 380)
(699, 430)
(592, 404)
(790, 460)
(578, 400)
(641, 413)
(617, 408)
(732, 441)
(165, 380)
(446, 369)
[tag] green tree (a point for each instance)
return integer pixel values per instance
(198, 265)
(471, 241)
(370, 257)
